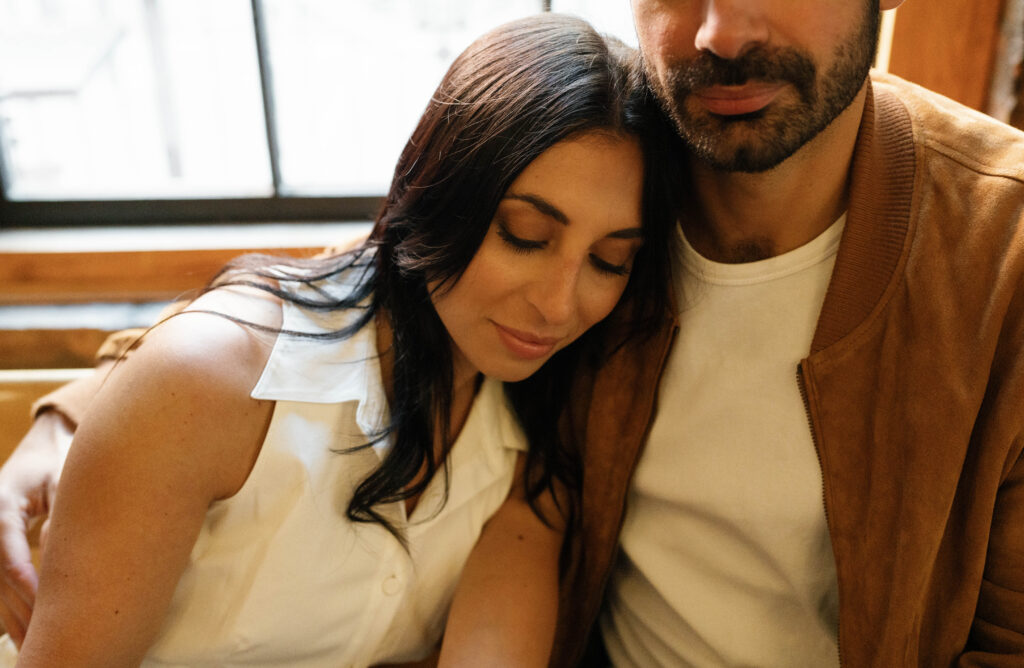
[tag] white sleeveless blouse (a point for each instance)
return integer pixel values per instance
(279, 576)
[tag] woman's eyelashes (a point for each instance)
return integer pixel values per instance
(608, 267)
(521, 245)
(518, 244)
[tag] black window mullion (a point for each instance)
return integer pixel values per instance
(5, 169)
(267, 89)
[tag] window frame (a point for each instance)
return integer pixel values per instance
(276, 207)
(51, 213)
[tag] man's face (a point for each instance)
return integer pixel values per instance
(748, 82)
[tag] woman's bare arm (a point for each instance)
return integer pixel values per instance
(506, 604)
(173, 430)
(29, 476)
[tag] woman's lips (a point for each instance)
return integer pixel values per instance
(738, 100)
(525, 345)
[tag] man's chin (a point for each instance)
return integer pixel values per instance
(751, 143)
(736, 150)
(742, 161)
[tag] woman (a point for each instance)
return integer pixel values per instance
(295, 470)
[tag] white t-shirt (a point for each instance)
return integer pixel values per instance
(726, 557)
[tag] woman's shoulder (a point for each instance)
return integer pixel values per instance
(187, 387)
(222, 339)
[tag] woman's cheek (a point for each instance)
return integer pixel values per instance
(602, 297)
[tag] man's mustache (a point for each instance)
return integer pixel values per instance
(759, 64)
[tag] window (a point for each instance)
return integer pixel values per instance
(191, 110)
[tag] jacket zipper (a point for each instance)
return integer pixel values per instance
(802, 385)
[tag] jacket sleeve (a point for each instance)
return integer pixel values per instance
(997, 635)
(997, 632)
(73, 399)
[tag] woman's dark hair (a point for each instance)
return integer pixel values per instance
(511, 95)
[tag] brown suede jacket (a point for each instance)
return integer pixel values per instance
(914, 388)
(915, 392)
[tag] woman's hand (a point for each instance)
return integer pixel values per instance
(28, 482)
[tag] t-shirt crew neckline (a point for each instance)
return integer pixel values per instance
(817, 250)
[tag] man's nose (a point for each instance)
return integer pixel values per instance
(731, 27)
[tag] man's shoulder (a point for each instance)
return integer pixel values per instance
(947, 128)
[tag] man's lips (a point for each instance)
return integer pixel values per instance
(524, 344)
(738, 100)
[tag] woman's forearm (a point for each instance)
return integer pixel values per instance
(506, 604)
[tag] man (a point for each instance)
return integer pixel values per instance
(833, 470)
(830, 422)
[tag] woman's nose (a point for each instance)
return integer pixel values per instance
(555, 294)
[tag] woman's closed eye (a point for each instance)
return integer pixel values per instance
(607, 267)
(614, 255)
(517, 243)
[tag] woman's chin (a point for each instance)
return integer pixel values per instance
(513, 372)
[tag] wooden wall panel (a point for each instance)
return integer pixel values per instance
(119, 276)
(948, 46)
(49, 348)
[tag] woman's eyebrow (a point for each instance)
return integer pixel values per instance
(549, 209)
(542, 205)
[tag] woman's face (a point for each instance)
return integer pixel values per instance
(554, 262)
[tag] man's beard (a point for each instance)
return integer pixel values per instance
(759, 141)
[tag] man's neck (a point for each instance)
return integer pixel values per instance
(748, 217)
